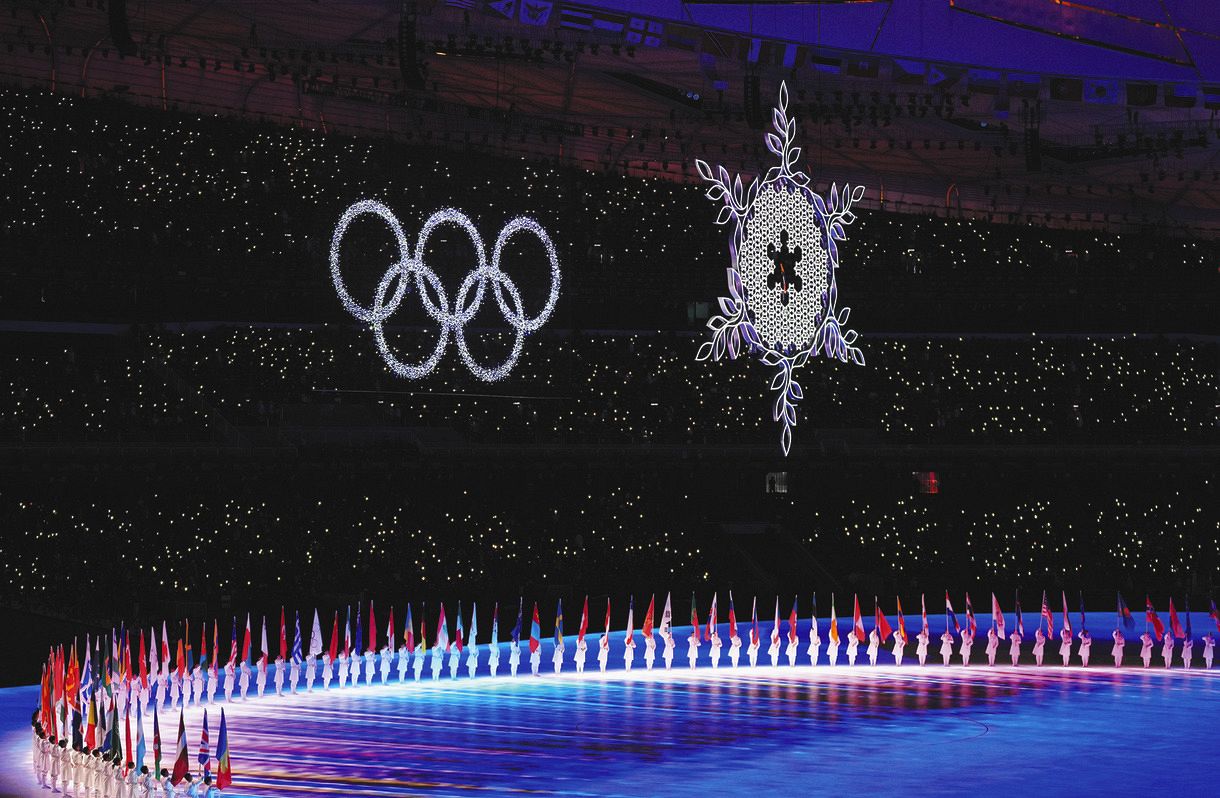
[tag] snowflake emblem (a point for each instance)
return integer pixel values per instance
(782, 306)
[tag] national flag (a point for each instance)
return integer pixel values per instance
(559, 624)
(880, 623)
(775, 628)
(442, 631)
(608, 21)
(923, 611)
(373, 628)
(647, 628)
(792, 622)
(213, 663)
(1214, 615)
(607, 632)
(575, 19)
(754, 638)
(858, 620)
(459, 638)
(389, 630)
(516, 635)
(233, 646)
(1175, 625)
(91, 725)
(1020, 620)
(164, 649)
(584, 621)
(190, 651)
(667, 618)
(264, 651)
(1048, 615)
(694, 619)
(72, 678)
(183, 762)
(153, 665)
(902, 627)
(141, 747)
(180, 660)
(86, 677)
(712, 618)
(536, 12)
(205, 757)
(535, 631)
(283, 637)
(408, 632)
(834, 622)
(116, 744)
(203, 645)
(1067, 618)
(1189, 631)
(156, 742)
(296, 639)
(315, 636)
(358, 644)
(127, 738)
(347, 632)
(970, 621)
(1102, 92)
(333, 649)
(247, 656)
(1082, 626)
(224, 770)
(997, 617)
(950, 615)
(1151, 617)
(630, 620)
(423, 628)
(732, 618)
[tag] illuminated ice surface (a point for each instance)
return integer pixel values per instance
(785, 731)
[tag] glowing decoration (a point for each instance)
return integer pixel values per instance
(410, 270)
(782, 303)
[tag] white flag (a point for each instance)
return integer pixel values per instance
(315, 637)
(667, 619)
(474, 624)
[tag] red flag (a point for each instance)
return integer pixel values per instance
(973, 624)
(902, 629)
(1067, 618)
(696, 628)
(858, 621)
(997, 617)
(732, 617)
(283, 636)
(373, 629)
(923, 608)
(1048, 615)
(183, 762)
(334, 638)
(72, 680)
(607, 614)
(1174, 623)
(224, 771)
(648, 617)
(143, 663)
(535, 643)
(882, 625)
(130, 751)
(584, 621)
(792, 623)
(245, 643)
(181, 659)
(1158, 628)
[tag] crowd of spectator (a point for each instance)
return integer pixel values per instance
(119, 213)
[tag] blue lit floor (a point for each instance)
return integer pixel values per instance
(788, 731)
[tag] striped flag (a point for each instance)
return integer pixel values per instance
(694, 619)
(442, 631)
(970, 621)
(141, 747)
(712, 617)
(630, 620)
(792, 622)
(183, 762)
(733, 617)
(516, 633)
(1020, 621)
(1067, 618)
(535, 631)
(834, 622)
(224, 771)
(880, 623)
(1151, 617)
(296, 639)
(902, 627)
(373, 628)
(1124, 615)
(997, 617)
(205, 756)
(408, 632)
(156, 742)
(923, 609)
(858, 620)
(559, 624)
(1048, 615)
(950, 615)
(459, 638)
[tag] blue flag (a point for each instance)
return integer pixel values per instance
(1124, 614)
(141, 748)
(296, 642)
(517, 628)
(359, 633)
(559, 624)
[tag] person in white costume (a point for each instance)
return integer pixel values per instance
(853, 644)
(1039, 646)
(815, 642)
(1209, 644)
(1120, 643)
(1014, 646)
(967, 645)
(1188, 651)
(993, 645)
(668, 652)
(1167, 649)
(1086, 646)
(1065, 646)
(921, 645)
(900, 644)
(1146, 649)
(874, 646)
(715, 644)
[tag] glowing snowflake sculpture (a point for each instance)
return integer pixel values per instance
(782, 303)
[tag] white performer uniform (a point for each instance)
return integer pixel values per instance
(900, 645)
(244, 680)
(260, 676)
(790, 651)
(175, 689)
(536, 659)
(1117, 651)
(1086, 645)
(353, 668)
(1146, 649)
(1014, 646)
(1209, 643)
(832, 651)
(147, 785)
(650, 651)
(455, 659)
(163, 685)
(967, 644)
(668, 653)
(1065, 646)
(993, 645)
(921, 646)
(198, 679)
(1039, 646)
(167, 786)
(404, 662)
(384, 670)
(493, 657)
(1188, 653)
(582, 650)
(715, 644)
(343, 670)
(133, 783)
(472, 662)
(327, 671)
(773, 650)
(874, 645)
(213, 684)
(369, 662)
(752, 651)
(853, 643)
(692, 647)
(628, 653)
(734, 650)
(603, 652)
(557, 656)
(311, 671)
(514, 657)
(417, 665)
(815, 643)
(1167, 649)
(436, 663)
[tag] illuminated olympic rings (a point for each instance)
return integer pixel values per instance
(453, 319)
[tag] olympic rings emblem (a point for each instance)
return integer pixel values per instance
(452, 319)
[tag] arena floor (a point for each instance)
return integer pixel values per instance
(804, 730)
